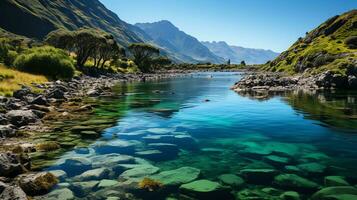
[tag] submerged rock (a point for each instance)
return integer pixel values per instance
(206, 190)
(76, 165)
(11, 192)
(116, 146)
(111, 160)
(336, 193)
(105, 183)
(59, 174)
(154, 155)
(295, 182)
(60, 194)
(231, 180)
(84, 188)
(290, 195)
(277, 160)
(335, 181)
(94, 174)
(312, 168)
(37, 183)
(178, 176)
(139, 171)
(259, 176)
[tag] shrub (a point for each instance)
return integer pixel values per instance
(10, 58)
(48, 61)
(351, 42)
(3, 51)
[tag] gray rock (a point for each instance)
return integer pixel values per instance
(7, 131)
(10, 165)
(21, 93)
(56, 94)
(107, 183)
(94, 174)
(37, 183)
(139, 171)
(60, 174)
(335, 181)
(336, 193)
(40, 100)
(290, 195)
(76, 165)
(177, 177)
(111, 160)
(259, 176)
(231, 180)
(295, 182)
(21, 117)
(206, 190)
(84, 188)
(60, 194)
(11, 192)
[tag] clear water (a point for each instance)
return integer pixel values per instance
(219, 132)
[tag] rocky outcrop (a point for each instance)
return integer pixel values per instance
(11, 192)
(12, 165)
(37, 183)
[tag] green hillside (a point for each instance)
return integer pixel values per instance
(331, 46)
(35, 19)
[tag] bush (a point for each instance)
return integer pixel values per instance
(351, 42)
(10, 58)
(3, 51)
(48, 61)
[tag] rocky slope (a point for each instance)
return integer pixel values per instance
(237, 54)
(331, 48)
(179, 44)
(35, 19)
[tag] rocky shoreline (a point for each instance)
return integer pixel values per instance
(269, 82)
(27, 110)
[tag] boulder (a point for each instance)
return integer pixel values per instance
(7, 131)
(94, 174)
(59, 174)
(336, 193)
(60, 194)
(76, 165)
(22, 93)
(290, 195)
(56, 94)
(11, 192)
(335, 181)
(21, 117)
(295, 182)
(116, 146)
(111, 160)
(139, 171)
(84, 188)
(206, 190)
(166, 148)
(154, 155)
(259, 176)
(312, 168)
(277, 160)
(105, 183)
(37, 183)
(177, 177)
(39, 100)
(231, 180)
(12, 165)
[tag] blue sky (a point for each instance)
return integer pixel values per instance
(267, 24)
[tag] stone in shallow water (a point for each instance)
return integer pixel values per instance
(178, 176)
(295, 182)
(107, 183)
(154, 155)
(61, 194)
(255, 194)
(82, 189)
(76, 165)
(313, 168)
(132, 135)
(336, 193)
(116, 146)
(165, 147)
(205, 189)
(160, 130)
(37, 183)
(159, 138)
(290, 195)
(111, 160)
(60, 174)
(335, 181)
(231, 180)
(259, 176)
(276, 160)
(292, 169)
(94, 174)
(316, 156)
(139, 171)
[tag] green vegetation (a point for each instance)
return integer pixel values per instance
(207, 66)
(331, 46)
(144, 54)
(11, 80)
(49, 61)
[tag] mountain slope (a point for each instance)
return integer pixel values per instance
(180, 44)
(329, 47)
(36, 18)
(237, 54)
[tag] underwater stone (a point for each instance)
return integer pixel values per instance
(60, 174)
(159, 138)
(336, 193)
(61, 194)
(165, 147)
(276, 160)
(178, 176)
(111, 160)
(94, 174)
(290, 195)
(231, 180)
(116, 146)
(107, 183)
(37, 183)
(76, 165)
(154, 155)
(139, 171)
(295, 182)
(335, 181)
(313, 168)
(160, 130)
(207, 190)
(83, 188)
(259, 176)
(292, 169)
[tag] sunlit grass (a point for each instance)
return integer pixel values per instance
(11, 80)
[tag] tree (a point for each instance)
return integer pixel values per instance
(243, 63)
(143, 55)
(229, 62)
(161, 61)
(107, 49)
(61, 38)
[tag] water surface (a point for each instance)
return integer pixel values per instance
(217, 131)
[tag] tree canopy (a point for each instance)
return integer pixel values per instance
(143, 55)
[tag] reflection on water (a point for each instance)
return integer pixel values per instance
(193, 138)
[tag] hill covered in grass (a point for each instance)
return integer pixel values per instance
(332, 46)
(35, 19)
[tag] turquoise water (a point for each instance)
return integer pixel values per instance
(198, 122)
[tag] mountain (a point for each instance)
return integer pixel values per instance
(181, 45)
(332, 47)
(36, 18)
(237, 54)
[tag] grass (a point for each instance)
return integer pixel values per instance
(11, 80)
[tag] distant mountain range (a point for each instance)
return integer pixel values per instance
(237, 54)
(35, 19)
(180, 44)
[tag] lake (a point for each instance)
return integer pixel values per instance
(194, 138)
